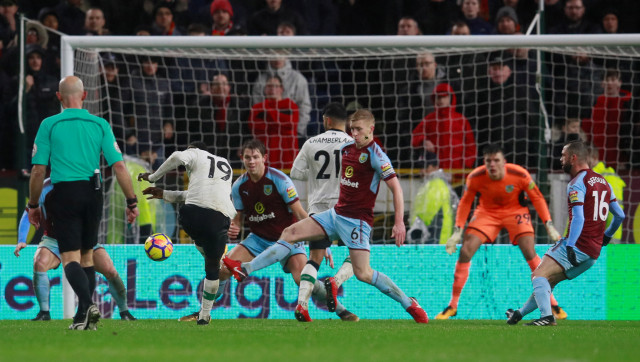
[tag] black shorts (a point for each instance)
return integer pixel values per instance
(208, 229)
(74, 210)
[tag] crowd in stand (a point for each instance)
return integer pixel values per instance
(447, 104)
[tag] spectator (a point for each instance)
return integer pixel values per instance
(295, 86)
(477, 25)
(610, 24)
(152, 106)
(446, 132)
(571, 131)
(123, 16)
(525, 10)
(286, 29)
(507, 21)
(49, 18)
(408, 26)
(115, 99)
(265, 21)
(8, 22)
(218, 118)
(94, 22)
(163, 22)
(609, 126)
(142, 30)
(416, 99)
(40, 93)
(71, 17)
(222, 15)
(575, 77)
(501, 111)
(434, 207)
(274, 122)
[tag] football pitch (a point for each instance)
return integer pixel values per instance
(324, 340)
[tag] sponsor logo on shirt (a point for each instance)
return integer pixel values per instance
(532, 185)
(291, 192)
(363, 157)
(348, 182)
(261, 218)
(348, 172)
(573, 196)
(268, 189)
(509, 188)
(259, 207)
(596, 179)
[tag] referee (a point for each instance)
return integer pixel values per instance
(72, 141)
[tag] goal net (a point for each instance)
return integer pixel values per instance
(528, 94)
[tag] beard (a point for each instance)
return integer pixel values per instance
(567, 168)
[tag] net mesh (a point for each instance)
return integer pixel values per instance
(495, 91)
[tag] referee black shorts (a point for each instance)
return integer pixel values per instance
(74, 210)
(208, 229)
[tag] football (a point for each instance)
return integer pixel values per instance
(158, 247)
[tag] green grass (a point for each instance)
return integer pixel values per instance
(325, 340)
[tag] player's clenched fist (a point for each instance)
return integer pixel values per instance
(453, 240)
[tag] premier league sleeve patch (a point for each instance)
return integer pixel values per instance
(291, 192)
(387, 170)
(573, 196)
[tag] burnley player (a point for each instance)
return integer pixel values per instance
(364, 165)
(590, 198)
(500, 186)
(319, 163)
(266, 199)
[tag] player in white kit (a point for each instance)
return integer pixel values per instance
(318, 163)
(207, 212)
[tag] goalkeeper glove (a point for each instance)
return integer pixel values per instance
(453, 240)
(551, 231)
(605, 240)
(571, 255)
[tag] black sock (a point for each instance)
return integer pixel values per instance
(78, 281)
(91, 275)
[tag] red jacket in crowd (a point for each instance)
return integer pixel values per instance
(275, 123)
(450, 133)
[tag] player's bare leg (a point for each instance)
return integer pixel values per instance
(527, 247)
(43, 261)
(104, 265)
(470, 245)
(363, 271)
(306, 229)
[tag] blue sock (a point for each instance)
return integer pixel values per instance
(529, 306)
(273, 254)
(118, 293)
(542, 293)
(41, 286)
(221, 285)
(388, 287)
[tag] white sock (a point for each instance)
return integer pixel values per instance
(345, 272)
(307, 280)
(208, 297)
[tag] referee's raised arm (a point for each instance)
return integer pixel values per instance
(72, 142)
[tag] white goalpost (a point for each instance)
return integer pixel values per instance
(523, 111)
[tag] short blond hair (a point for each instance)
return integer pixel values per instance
(362, 114)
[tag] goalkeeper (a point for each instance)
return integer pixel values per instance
(434, 206)
(500, 205)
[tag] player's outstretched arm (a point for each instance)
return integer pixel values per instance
(399, 231)
(542, 209)
(618, 217)
(577, 223)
